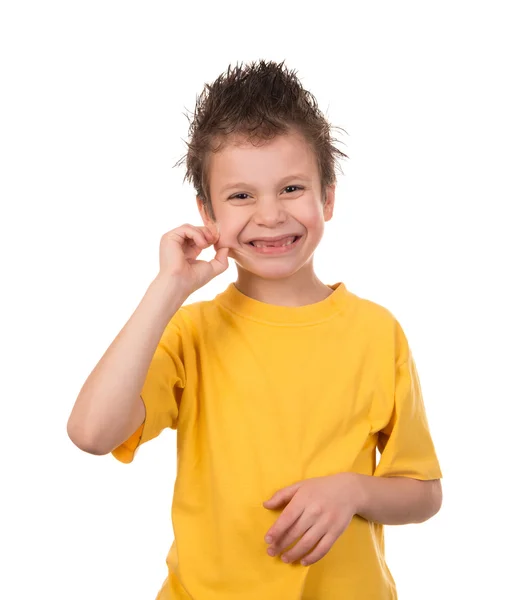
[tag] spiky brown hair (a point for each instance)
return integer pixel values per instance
(259, 101)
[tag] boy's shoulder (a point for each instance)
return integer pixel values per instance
(367, 309)
(382, 323)
(194, 308)
(196, 313)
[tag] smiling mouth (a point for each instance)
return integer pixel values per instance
(280, 242)
(278, 246)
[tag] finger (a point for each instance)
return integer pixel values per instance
(200, 236)
(209, 233)
(188, 233)
(220, 261)
(305, 544)
(209, 270)
(301, 526)
(288, 517)
(282, 496)
(193, 240)
(213, 230)
(323, 547)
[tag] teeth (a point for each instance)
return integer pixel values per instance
(259, 244)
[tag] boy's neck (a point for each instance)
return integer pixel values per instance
(299, 289)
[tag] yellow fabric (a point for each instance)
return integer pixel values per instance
(263, 396)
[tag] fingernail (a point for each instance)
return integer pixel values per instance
(271, 552)
(268, 539)
(285, 559)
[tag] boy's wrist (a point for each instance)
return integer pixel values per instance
(171, 286)
(359, 492)
(169, 293)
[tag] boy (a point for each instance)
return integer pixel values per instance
(281, 388)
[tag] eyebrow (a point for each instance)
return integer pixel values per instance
(242, 184)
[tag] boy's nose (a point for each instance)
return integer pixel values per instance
(269, 214)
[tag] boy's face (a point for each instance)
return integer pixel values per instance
(268, 205)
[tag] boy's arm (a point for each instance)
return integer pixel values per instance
(396, 500)
(109, 408)
(318, 510)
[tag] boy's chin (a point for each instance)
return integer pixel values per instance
(267, 271)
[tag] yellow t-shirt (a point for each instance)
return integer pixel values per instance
(263, 396)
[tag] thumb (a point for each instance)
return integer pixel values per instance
(283, 496)
(219, 263)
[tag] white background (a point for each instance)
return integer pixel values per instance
(91, 122)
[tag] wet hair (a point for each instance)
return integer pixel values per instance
(256, 101)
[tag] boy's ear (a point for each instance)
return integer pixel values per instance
(329, 202)
(203, 212)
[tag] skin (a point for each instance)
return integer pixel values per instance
(266, 206)
(317, 511)
(254, 192)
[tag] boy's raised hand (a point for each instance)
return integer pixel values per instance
(179, 250)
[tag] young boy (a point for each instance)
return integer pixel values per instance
(281, 388)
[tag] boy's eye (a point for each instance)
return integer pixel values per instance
(297, 187)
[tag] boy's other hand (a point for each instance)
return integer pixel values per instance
(317, 512)
(179, 250)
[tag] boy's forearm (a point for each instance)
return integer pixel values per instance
(103, 406)
(396, 500)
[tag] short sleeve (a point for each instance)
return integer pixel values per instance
(161, 393)
(405, 443)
